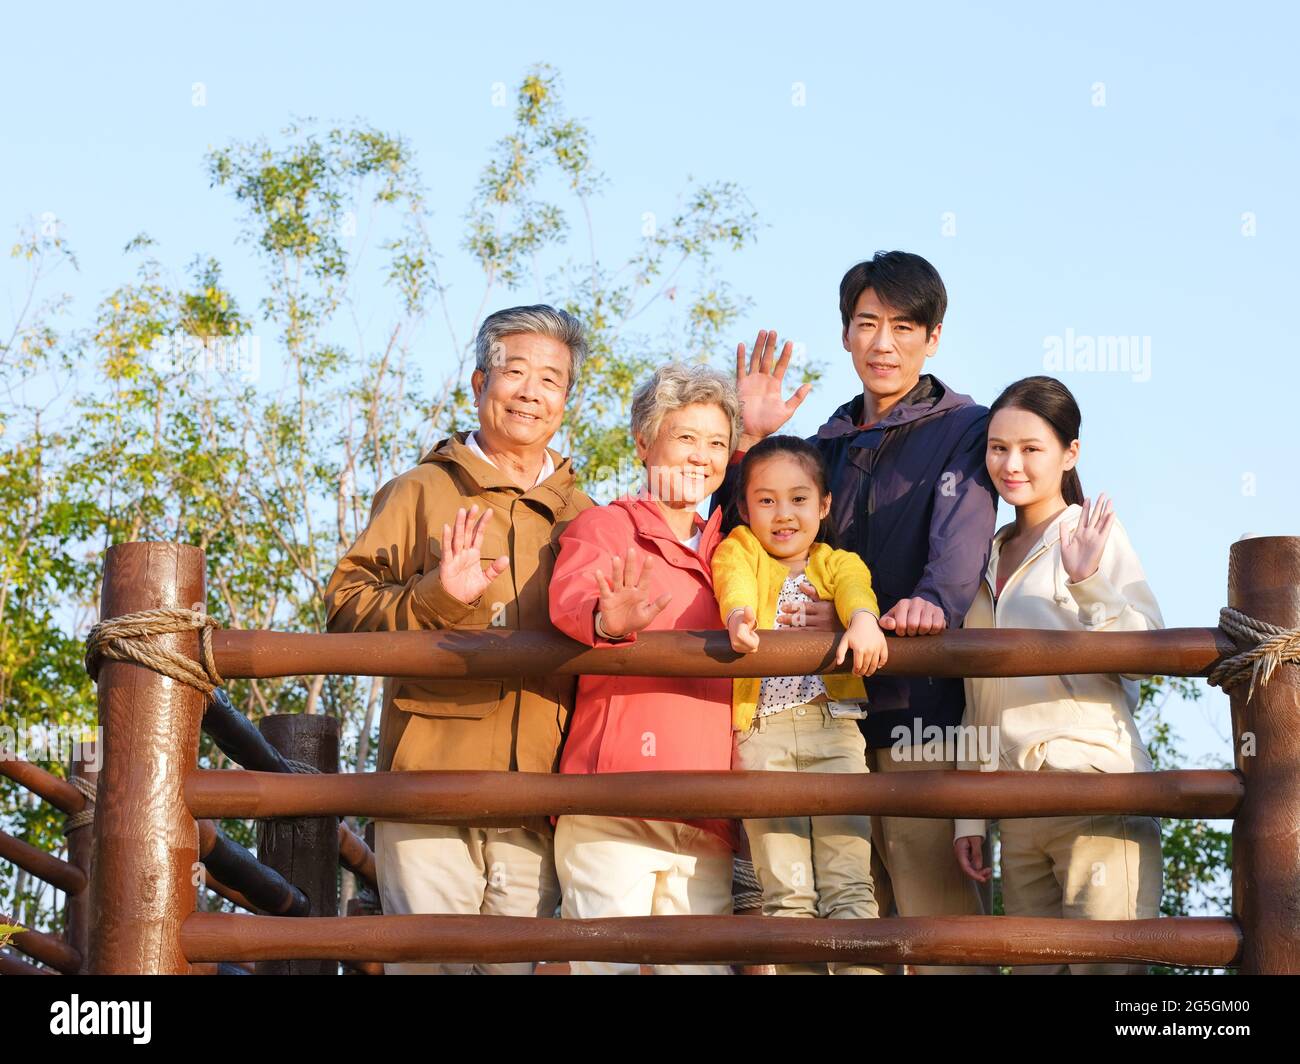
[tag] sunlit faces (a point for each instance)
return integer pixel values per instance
(888, 350)
(783, 508)
(520, 401)
(686, 461)
(1025, 458)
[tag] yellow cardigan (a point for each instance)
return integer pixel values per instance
(744, 574)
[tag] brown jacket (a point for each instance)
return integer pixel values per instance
(388, 581)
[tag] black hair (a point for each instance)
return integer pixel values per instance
(802, 452)
(1053, 402)
(905, 281)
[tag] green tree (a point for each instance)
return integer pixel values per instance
(182, 434)
(42, 686)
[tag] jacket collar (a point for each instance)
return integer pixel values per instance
(553, 493)
(930, 396)
(649, 521)
(1051, 535)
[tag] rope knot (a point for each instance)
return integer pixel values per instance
(127, 638)
(86, 817)
(1265, 647)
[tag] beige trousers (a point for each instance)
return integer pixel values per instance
(916, 870)
(810, 866)
(619, 866)
(1083, 868)
(442, 868)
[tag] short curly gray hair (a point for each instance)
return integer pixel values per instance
(539, 319)
(676, 385)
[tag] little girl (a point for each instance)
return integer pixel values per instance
(807, 866)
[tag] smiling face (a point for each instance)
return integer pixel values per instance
(520, 401)
(889, 350)
(1025, 458)
(783, 507)
(687, 459)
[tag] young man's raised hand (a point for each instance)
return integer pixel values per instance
(759, 381)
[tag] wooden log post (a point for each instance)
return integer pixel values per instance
(304, 851)
(81, 850)
(146, 843)
(1264, 583)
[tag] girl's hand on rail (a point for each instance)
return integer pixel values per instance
(625, 604)
(867, 642)
(969, 850)
(1082, 546)
(460, 570)
(740, 626)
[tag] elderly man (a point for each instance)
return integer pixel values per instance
(467, 540)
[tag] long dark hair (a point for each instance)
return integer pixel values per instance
(1052, 401)
(802, 452)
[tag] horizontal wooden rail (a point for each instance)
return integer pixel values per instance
(58, 792)
(356, 856)
(13, 966)
(237, 869)
(488, 654)
(48, 949)
(238, 738)
(1201, 941)
(413, 796)
(45, 866)
(230, 894)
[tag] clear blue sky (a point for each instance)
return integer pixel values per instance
(1070, 218)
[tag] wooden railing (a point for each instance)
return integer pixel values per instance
(151, 795)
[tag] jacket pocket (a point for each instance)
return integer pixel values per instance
(472, 699)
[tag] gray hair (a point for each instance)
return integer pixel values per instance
(676, 385)
(541, 320)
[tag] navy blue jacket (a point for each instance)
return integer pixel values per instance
(911, 495)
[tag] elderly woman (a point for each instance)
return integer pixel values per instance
(642, 563)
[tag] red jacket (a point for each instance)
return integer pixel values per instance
(643, 723)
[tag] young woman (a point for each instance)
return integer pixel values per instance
(1065, 563)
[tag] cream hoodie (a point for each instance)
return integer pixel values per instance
(1062, 723)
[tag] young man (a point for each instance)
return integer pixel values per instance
(910, 494)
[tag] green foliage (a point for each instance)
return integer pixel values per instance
(261, 436)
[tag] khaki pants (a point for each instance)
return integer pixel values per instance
(619, 866)
(916, 870)
(442, 868)
(810, 866)
(1082, 868)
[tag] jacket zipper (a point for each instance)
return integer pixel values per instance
(997, 599)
